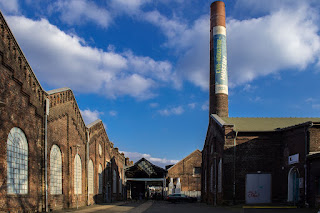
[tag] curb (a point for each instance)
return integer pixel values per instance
(269, 207)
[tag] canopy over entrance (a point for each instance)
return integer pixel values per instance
(145, 180)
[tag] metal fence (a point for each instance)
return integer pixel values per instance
(196, 194)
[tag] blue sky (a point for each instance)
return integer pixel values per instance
(142, 66)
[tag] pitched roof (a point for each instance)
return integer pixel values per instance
(145, 169)
(197, 150)
(94, 123)
(261, 124)
(50, 92)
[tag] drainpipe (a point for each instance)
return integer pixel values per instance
(88, 139)
(215, 178)
(47, 103)
(305, 164)
(234, 167)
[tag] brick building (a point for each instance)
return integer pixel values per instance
(188, 173)
(254, 160)
(44, 141)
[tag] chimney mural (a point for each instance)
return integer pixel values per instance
(218, 103)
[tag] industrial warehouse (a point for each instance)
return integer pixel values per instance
(45, 142)
(50, 160)
(254, 160)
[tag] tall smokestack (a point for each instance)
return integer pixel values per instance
(218, 61)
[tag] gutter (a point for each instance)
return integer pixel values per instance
(234, 166)
(88, 139)
(47, 106)
(307, 141)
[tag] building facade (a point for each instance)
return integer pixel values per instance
(45, 142)
(254, 160)
(187, 173)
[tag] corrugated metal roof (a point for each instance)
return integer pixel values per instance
(265, 124)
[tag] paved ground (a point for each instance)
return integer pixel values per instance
(165, 207)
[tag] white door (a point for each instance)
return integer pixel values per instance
(258, 188)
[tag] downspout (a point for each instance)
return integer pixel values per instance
(45, 151)
(305, 163)
(88, 139)
(215, 179)
(234, 167)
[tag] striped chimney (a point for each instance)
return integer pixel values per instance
(218, 93)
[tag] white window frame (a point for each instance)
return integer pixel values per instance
(90, 177)
(77, 175)
(100, 175)
(17, 162)
(55, 170)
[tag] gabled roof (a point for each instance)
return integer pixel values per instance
(6, 29)
(262, 124)
(93, 123)
(197, 150)
(145, 169)
(50, 92)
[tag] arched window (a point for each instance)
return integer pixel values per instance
(17, 162)
(120, 182)
(100, 179)
(77, 175)
(100, 150)
(55, 171)
(114, 180)
(90, 177)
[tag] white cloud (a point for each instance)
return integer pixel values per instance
(130, 7)
(255, 99)
(90, 116)
(192, 105)
(113, 113)
(249, 88)
(162, 162)
(266, 45)
(171, 111)
(311, 100)
(63, 60)
(205, 106)
(10, 6)
(285, 37)
(315, 106)
(153, 105)
(81, 11)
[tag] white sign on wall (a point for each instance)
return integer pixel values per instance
(293, 159)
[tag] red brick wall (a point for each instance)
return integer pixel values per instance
(24, 102)
(184, 170)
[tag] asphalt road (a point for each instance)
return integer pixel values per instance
(166, 207)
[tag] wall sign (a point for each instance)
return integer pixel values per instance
(293, 159)
(220, 59)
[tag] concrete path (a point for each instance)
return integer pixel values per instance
(166, 207)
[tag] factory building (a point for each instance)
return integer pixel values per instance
(254, 160)
(49, 158)
(185, 176)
